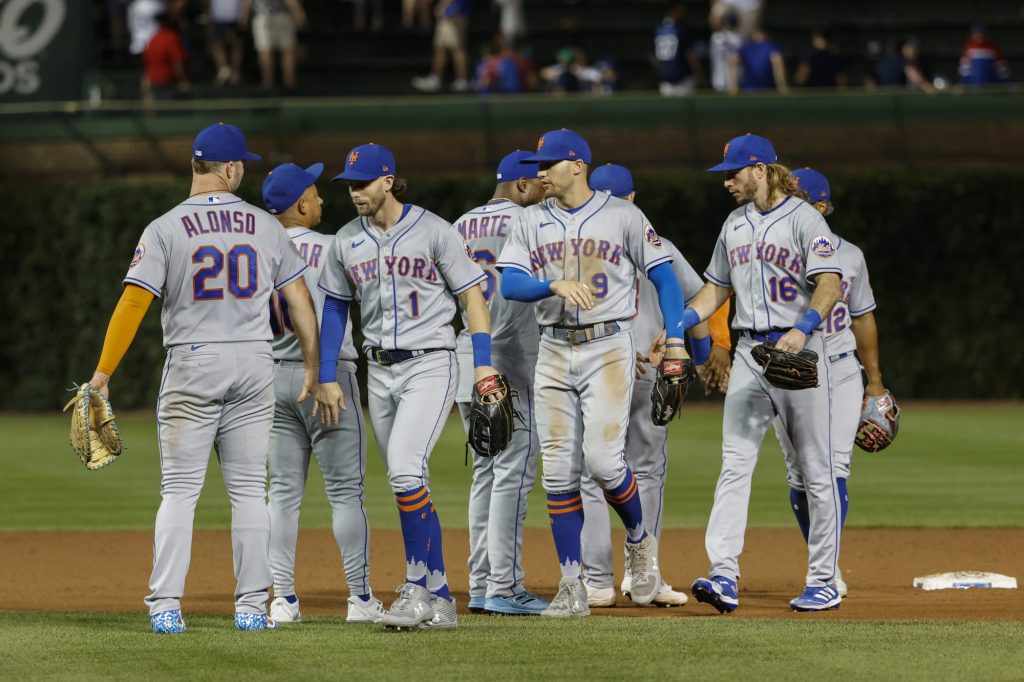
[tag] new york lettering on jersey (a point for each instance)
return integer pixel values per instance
(768, 259)
(215, 259)
(313, 248)
(407, 278)
(485, 229)
(602, 244)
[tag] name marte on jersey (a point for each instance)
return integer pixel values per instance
(769, 253)
(554, 252)
(311, 255)
(415, 268)
(485, 226)
(218, 222)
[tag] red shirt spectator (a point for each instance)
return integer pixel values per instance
(982, 61)
(164, 58)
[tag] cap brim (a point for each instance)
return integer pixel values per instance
(315, 170)
(540, 158)
(358, 176)
(249, 156)
(726, 166)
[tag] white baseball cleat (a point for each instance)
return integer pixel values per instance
(600, 597)
(283, 612)
(666, 595)
(412, 608)
(360, 611)
(644, 574)
(841, 586)
(571, 600)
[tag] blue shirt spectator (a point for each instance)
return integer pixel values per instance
(675, 59)
(820, 65)
(760, 63)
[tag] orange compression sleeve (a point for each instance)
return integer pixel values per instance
(124, 324)
(718, 325)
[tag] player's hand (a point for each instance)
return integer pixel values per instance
(309, 380)
(481, 373)
(715, 372)
(656, 351)
(874, 388)
(329, 402)
(792, 341)
(577, 293)
(640, 362)
(100, 382)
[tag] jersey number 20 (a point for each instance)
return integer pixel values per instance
(212, 259)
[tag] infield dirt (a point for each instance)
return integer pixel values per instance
(108, 571)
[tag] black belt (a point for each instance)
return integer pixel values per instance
(386, 358)
(770, 336)
(578, 335)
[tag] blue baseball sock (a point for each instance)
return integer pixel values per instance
(844, 500)
(798, 502)
(625, 500)
(566, 513)
(414, 513)
(437, 581)
(291, 599)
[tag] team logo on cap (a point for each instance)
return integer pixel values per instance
(140, 251)
(753, 158)
(725, 151)
(822, 246)
(352, 158)
(385, 169)
(540, 143)
(652, 236)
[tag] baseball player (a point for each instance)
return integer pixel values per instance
(290, 193)
(406, 267)
(215, 260)
(779, 256)
(577, 254)
(851, 327)
(497, 498)
(646, 443)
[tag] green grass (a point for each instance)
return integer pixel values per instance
(951, 466)
(119, 646)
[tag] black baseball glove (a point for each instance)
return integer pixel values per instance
(782, 369)
(492, 415)
(674, 378)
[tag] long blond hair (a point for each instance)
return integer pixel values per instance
(781, 182)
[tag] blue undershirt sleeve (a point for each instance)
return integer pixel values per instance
(332, 334)
(670, 298)
(516, 285)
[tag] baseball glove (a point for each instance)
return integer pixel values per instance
(879, 422)
(782, 369)
(492, 415)
(95, 437)
(674, 378)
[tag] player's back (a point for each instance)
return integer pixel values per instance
(855, 298)
(313, 247)
(513, 323)
(215, 259)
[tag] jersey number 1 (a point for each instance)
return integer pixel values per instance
(201, 289)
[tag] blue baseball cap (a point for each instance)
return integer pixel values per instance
(367, 162)
(221, 142)
(814, 183)
(560, 145)
(286, 183)
(616, 180)
(513, 167)
(746, 150)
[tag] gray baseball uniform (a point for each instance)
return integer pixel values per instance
(646, 442)
(340, 451)
(215, 259)
(769, 260)
(406, 279)
(497, 497)
(848, 388)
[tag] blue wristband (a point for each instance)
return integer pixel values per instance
(809, 322)
(481, 349)
(701, 349)
(691, 318)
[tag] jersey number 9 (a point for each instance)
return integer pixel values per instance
(201, 289)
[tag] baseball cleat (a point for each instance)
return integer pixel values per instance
(359, 611)
(519, 604)
(719, 592)
(168, 622)
(412, 608)
(254, 621)
(283, 611)
(645, 577)
(600, 597)
(571, 600)
(666, 595)
(818, 598)
(478, 604)
(841, 586)
(444, 615)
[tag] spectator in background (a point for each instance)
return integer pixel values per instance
(416, 12)
(758, 65)
(164, 62)
(820, 65)
(572, 73)
(747, 12)
(513, 21)
(506, 71)
(274, 23)
(117, 23)
(359, 14)
(142, 23)
(450, 36)
(982, 61)
(226, 40)
(677, 63)
(725, 43)
(902, 68)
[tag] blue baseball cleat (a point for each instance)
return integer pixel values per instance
(519, 604)
(719, 592)
(168, 622)
(820, 598)
(476, 604)
(254, 621)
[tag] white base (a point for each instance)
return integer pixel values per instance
(962, 580)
